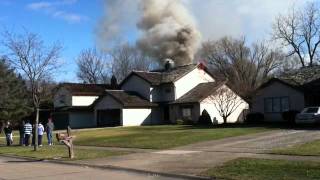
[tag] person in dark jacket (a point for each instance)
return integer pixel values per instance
(8, 133)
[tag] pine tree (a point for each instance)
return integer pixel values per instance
(14, 99)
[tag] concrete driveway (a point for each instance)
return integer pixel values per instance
(196, 158)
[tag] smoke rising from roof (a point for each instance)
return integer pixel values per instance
(168, 31)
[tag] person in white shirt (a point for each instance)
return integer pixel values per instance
(40, 133)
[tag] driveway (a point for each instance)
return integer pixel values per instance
(196, 158)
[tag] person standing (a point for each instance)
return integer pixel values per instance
(21, 132)
(40, 133)
(8, 133)
(27, 133)
(49, 129)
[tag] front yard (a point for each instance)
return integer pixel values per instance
(148, 137)
(262, 169)
(158, 137)
(307, 149)
(58, 152)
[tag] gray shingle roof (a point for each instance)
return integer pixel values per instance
(301, 76)
(129, 99)
(200, 92)
(79, 89)
(158, 77)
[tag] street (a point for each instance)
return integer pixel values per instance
(11, 168)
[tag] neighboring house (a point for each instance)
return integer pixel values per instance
(72, 104)
(161, 97)
(291, 91)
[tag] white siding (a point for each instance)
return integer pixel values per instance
(136, 84)
(62, 98)
(191, 80)
(83, 100)
(82, 120)
(237, 116)
(276, 89)
(136, 117)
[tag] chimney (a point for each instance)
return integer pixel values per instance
(169, 64)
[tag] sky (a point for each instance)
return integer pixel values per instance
(75, 23)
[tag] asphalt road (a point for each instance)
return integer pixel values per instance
(11, 168)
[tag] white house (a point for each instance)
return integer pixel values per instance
(291, 91)
(160, 97)
(72, 104)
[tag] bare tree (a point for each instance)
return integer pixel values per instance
(126, 58)
(92, 66)
(35, 61)
(226, 102)
(299, 30)
(245, 67)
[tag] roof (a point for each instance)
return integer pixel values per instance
(129, 99)
(298, 78)
(158, 77)
(200, 92)
(78, 89)
(74, 108)
(301, 76)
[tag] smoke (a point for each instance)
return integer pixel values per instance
(165, 28)
(168, 31)
(119, 18)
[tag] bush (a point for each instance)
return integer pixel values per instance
(188, 122)
(205, 119)
(290, 116)
(254, 118)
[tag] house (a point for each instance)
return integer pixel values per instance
(72, 104)
(290, 91)
(160, 97)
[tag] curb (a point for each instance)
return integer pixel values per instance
(110, 167)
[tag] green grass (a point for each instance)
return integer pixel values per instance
(57, 152)
(262, 169)
(158, 137)
(307, 149)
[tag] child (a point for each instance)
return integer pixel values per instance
(8, 133)
(40, 134)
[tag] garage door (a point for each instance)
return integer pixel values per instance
(109, 118)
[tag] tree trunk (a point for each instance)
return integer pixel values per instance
(225, 120)
(36, 130)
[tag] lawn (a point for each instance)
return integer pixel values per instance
(57, 152)
(261, 169)
(158, 137)
(307, 149)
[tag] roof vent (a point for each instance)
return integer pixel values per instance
(169, 64)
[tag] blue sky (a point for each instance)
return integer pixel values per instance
(73, 22)
(70, 22)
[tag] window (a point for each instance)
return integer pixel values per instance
(168, 90)
(276, 104)
(311, 110)
(186, 112)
